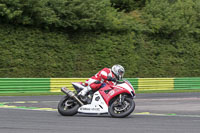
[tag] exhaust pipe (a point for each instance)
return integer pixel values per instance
(71, 94)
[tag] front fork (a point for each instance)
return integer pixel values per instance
(121, 99)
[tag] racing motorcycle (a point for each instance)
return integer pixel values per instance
(116, 100)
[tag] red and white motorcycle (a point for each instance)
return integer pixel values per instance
(116, 100)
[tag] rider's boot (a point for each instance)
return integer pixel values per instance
(84, 91)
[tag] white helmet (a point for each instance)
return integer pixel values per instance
(118, 71)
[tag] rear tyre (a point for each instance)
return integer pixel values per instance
(121, 110)
(67, 106)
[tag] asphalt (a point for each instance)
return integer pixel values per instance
(154, 113)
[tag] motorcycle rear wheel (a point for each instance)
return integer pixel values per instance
(67, 106)
(119, 111)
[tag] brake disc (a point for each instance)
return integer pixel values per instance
(121, 109)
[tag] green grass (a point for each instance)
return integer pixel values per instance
(60, 93)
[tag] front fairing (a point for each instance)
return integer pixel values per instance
(127, 85)
(109, 91)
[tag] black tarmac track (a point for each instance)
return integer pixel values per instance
(154, 113)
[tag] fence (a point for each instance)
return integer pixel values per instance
(18, 85)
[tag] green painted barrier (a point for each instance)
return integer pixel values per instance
(57, 83)
(146, 84)
(18, 85)
(15, 85)
(186, 83)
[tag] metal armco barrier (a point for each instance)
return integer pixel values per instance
(19, 85)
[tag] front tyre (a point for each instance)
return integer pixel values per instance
(67, 106)
(120, 110)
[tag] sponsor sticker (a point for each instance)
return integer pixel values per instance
(111, 92)
(92, 109)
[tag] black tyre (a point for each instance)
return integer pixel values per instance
(121, 110)
(67, 106)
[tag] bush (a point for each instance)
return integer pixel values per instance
(63, 14)
(128, 5)
(168, 46)
(78, 38)
(165, 58)
(29, 52)
(172, 19)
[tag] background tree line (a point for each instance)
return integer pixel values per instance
(76, 38)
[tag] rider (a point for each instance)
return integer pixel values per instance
(106, 75)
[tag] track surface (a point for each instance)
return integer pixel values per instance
(154, 113)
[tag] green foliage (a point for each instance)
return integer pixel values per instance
(172, 19)
(169, 47)
(63, 14)
(165, 58)
(76, 38)
(29, 52)
(128, 5)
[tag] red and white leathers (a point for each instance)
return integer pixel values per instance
(94, 83)
(101, 76)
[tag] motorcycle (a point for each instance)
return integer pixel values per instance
(116, 100)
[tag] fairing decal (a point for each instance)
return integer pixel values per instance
(98, 105)
(116, 90)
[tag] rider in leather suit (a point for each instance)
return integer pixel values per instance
(106, 75)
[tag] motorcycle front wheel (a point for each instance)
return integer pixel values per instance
(67, 106)
(120, 110)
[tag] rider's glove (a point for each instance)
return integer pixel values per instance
(111, 79)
